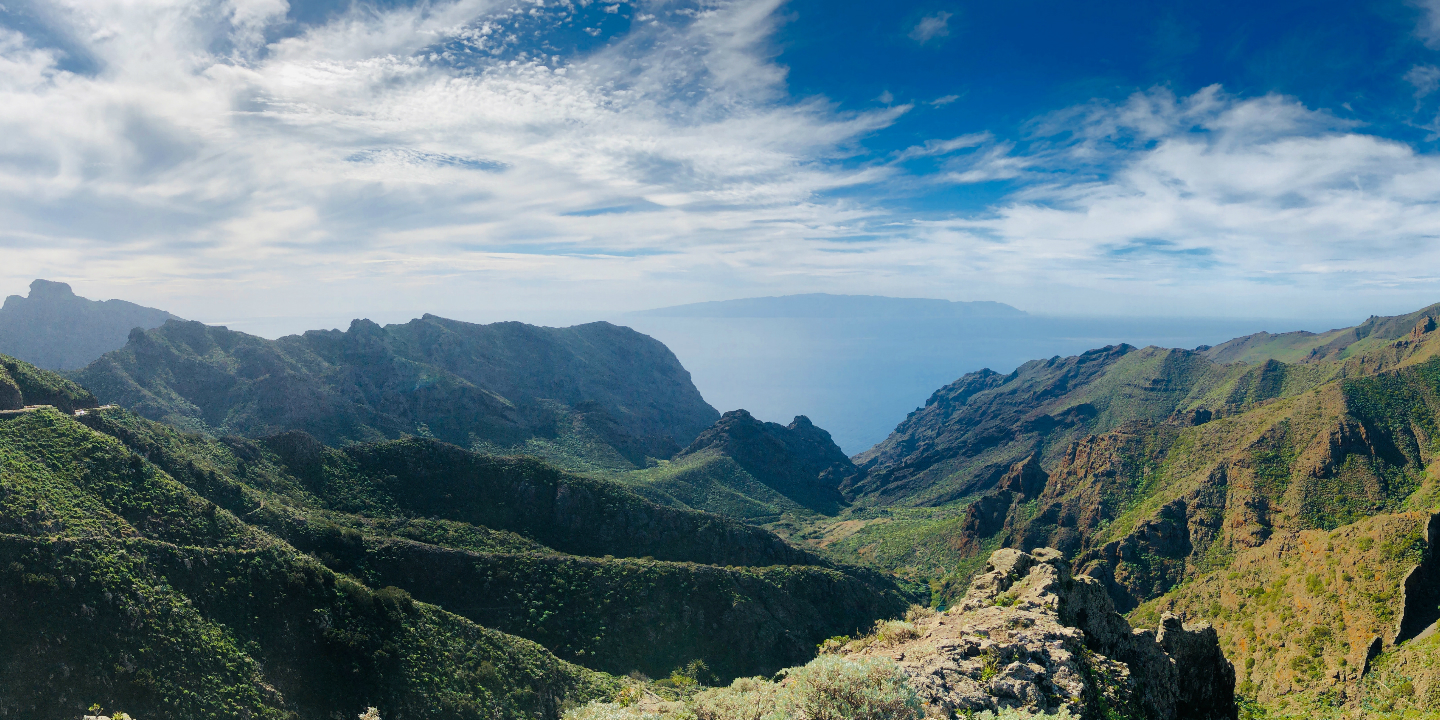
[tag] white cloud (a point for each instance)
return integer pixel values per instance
(931, 27)
(1428, 27)
(1425, 78)
(931, 148)
(425, 159)
(1217, 195)
(416, 134)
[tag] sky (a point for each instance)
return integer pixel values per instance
(278, 166)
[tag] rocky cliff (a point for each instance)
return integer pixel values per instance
(1028, 636)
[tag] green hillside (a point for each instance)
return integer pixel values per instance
(177, 575)
(1287, 503)
(487, 386)
(123, 587)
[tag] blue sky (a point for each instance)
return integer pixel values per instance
(279, 166)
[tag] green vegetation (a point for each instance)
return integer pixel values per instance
(122, 587)
(827, 688)
(177, 575)
(600, 392)
(23, 384)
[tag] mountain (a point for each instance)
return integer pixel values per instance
(755, 471)
(497, 386)
(857, 365)
(56, 329)
(1308, 347)
(821, 305)
(1288, 498)
(177, 575)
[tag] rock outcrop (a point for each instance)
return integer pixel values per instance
(799, 460)
(1030, 636)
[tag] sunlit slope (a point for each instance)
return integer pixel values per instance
(971, 431)
(123, 587)
(1298, 347)
(580, 564)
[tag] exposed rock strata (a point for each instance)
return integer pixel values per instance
(1030, 636)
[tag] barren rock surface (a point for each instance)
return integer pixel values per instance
(1030, 636)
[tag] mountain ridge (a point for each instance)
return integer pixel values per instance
(465, 383)
(56, 329)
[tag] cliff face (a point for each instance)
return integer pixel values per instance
(1029, 636)
(58, 330)
(499, 384)
(799, 461)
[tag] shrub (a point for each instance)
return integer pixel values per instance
(834, 688)
(828, 688)
(833, 645)
(1014, 714)
(745, 699)
(895, 631)
(919, 613)
(614, 711)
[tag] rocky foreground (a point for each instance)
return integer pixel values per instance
(1030, 637)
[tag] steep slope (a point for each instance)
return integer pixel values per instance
(23, 384)
(122, 587)
(1288, 504)
(971, 431)
(1306, 619)
(58, 330)
(588, 569)
(798, 461)
(498, 385)
(1295, 347)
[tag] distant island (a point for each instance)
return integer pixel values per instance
(822, 305)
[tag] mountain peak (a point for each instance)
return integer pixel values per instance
(50, 289)
(56, 329)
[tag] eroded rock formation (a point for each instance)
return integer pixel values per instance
(1029, 635)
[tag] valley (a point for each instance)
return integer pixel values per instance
(442, 519)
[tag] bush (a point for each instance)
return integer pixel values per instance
(895, 631)
(834, 688)
(834, 645)
(828, 688)
(1011, 714)
(615, 711)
